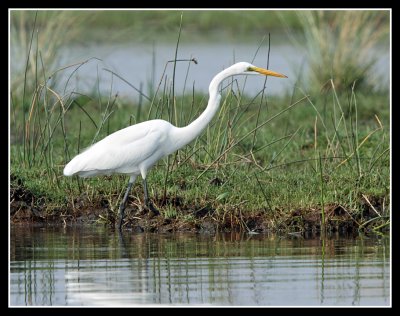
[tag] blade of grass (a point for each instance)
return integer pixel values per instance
(249, 133)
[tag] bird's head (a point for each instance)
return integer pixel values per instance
(249, 69)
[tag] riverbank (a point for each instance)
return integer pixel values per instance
(282, 169)
(115, 26)
(319, 152)
(25, 207)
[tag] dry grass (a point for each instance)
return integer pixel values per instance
(342, 45)
(38, 44)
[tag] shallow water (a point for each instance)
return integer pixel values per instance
(78, 266)
(146, 65)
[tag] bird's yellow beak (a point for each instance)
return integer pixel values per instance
(267, 72)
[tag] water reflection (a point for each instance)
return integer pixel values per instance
(75, 266)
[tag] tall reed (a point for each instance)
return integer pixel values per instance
(341, 46)
(37, 38)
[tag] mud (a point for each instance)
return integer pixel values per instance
(25, 207)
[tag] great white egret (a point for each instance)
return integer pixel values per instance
(135, 149)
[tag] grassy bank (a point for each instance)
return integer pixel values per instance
(298, 162)
(149, 25)
(263, 164)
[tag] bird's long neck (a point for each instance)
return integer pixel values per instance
(185, 135)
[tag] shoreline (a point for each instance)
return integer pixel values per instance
(25, 208)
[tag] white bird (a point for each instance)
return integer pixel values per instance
(135, 149)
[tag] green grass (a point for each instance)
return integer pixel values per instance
(227, 168)
(342, 46)
(260, 155)
(149, 25)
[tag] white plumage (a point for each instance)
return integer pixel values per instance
(135, 149)
(132, 150)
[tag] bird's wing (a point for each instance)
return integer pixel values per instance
(122, 151)
(133, 153)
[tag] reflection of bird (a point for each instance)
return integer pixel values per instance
(135, 149)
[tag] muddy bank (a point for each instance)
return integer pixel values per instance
(25, 207)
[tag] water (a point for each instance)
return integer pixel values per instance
(75, 266)
(141, 64)
(143, 67)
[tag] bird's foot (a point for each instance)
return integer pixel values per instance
(152, 210)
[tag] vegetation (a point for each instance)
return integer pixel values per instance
(292, 163)
(146, 25)
(343, 46)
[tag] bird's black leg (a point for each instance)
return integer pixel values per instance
(123, 205)
(147, 201)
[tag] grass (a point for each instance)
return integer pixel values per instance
(284, 159)
(342, 46)
(292, 157)
(160, 25)
(42, 34)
